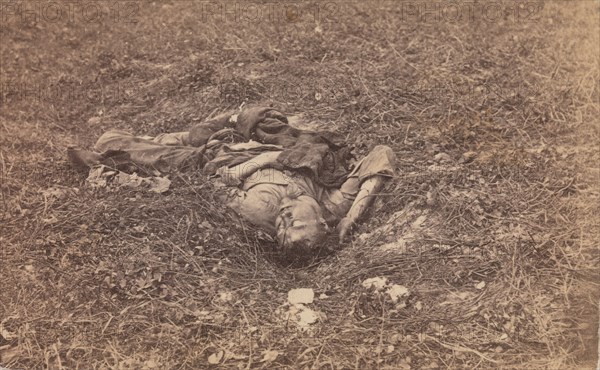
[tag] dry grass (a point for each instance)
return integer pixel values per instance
(129, 280)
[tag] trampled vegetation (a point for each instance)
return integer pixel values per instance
(491, 223)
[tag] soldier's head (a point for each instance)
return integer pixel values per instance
(300, 225)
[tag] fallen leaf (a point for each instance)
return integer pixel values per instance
(442, 158)
(226, 297)
(307, 317)
(457, 298)
(215, 358)
(138, 228)
(301, 295)
(377, 282)
(207, 225)
(396, 291)
(50, 220)
(269, 356)
(94, 120)
(6, 334)
(150, 364)
(54, 192)
(468, 157)
(159, 184)
(234, 356)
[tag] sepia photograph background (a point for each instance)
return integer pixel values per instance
(490, 224)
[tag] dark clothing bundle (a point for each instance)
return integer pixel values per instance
(323, 156)
(316, 154)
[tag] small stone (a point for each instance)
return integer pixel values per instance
(301, 295)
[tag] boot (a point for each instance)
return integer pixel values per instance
(82, 159)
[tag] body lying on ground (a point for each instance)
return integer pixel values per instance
(294, 184)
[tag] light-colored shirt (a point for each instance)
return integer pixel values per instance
(259, 197)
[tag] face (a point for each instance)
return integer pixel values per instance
(300, 225)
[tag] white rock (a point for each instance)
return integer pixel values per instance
(301, 295)
(396, 291)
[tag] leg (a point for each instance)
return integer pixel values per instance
(121, 148)
(150, 154)
(172, 138)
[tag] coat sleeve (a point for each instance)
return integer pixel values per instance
(201, 132)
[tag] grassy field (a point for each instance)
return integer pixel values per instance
(490, 224)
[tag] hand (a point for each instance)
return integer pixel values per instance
(344, 228)
(276, 114)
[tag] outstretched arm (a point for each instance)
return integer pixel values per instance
(368, 191)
